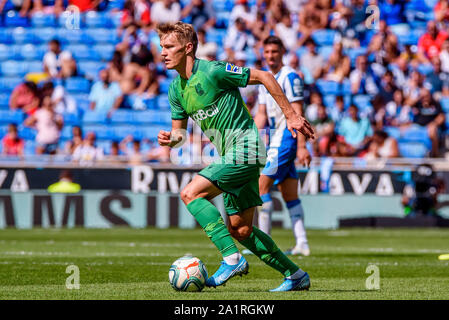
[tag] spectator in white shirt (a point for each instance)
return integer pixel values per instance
(87, 153)
(288, 32)
(361, 78)
(166, 11)
(238, 39)
(58, 63)
(444, 56)
(243, 10)
(206, 50)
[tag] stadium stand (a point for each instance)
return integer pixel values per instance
(24, 45)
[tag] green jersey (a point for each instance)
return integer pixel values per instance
(212, 99)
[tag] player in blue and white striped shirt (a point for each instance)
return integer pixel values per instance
(283, 148)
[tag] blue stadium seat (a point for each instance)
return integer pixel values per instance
(82, 52)
(92, 116)
(13, 19)
(35, 66)
(151, 132)
(11, 68)
(115, 4)
(445, 104)
(393, 132)
(42, 20)
(101, 131)
(26, 132)
(222, 19)
(82, 101)
(105, 145)
(162, 101)
(104, 51)
(6, 53)
(102, 35)
(90, 68)
(77, 85)
(8, 84)
(408, 39)
(215, 35)
(412, 149)
(329, 100)
(3, 131)
(123, 116)
(31, 52)
(5, 35)
(353, 53)
(22, 35)
(164, 85)
(328, 87)
(94, 19)
(11, 116)
(362, 101)
(325, 51)
(425, 69)
(71, 119)
(43, 35)
(68, 36)
(153, 116)
(417, 134)
(30, 147)
(151, 103)
(4, 101)
(120, 132)
(66, 132)
(115, 18)
(324, 37)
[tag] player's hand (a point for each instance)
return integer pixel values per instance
(300, 124)
(168, 138)
(164, 138)
(303, 157)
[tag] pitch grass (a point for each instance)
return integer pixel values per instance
(134, 263)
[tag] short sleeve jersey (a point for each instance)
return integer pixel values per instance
(212, 99)
(293, 86)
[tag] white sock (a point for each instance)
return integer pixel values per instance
(233, 258)
(264, 220)
(296, 215)
(298, 274)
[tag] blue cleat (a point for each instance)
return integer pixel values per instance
(302, 283)
(226, 272)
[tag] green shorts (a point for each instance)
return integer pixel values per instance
(239, 183)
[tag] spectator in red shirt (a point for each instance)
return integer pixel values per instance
(441, 11)
(137, 11)
(431, 42)
(12, 144)
(85, 5)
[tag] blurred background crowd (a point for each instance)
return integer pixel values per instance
(84, 80)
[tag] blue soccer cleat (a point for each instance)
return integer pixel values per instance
(226, 272)
(302, 283)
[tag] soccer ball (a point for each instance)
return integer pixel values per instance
(187, 274)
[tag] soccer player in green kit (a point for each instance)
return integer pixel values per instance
(207, 91)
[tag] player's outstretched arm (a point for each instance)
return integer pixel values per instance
(294, 121)
(176, 137)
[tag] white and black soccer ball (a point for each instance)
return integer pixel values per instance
(187, 274)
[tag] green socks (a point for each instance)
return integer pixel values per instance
(264, 247)
(212, 223)
(258, 242)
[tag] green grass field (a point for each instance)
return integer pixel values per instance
(134, 263)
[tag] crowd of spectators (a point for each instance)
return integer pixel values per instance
(400, 83)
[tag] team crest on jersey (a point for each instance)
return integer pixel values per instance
(233, 68)
(199, 89)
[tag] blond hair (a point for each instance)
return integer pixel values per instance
(183, 31)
